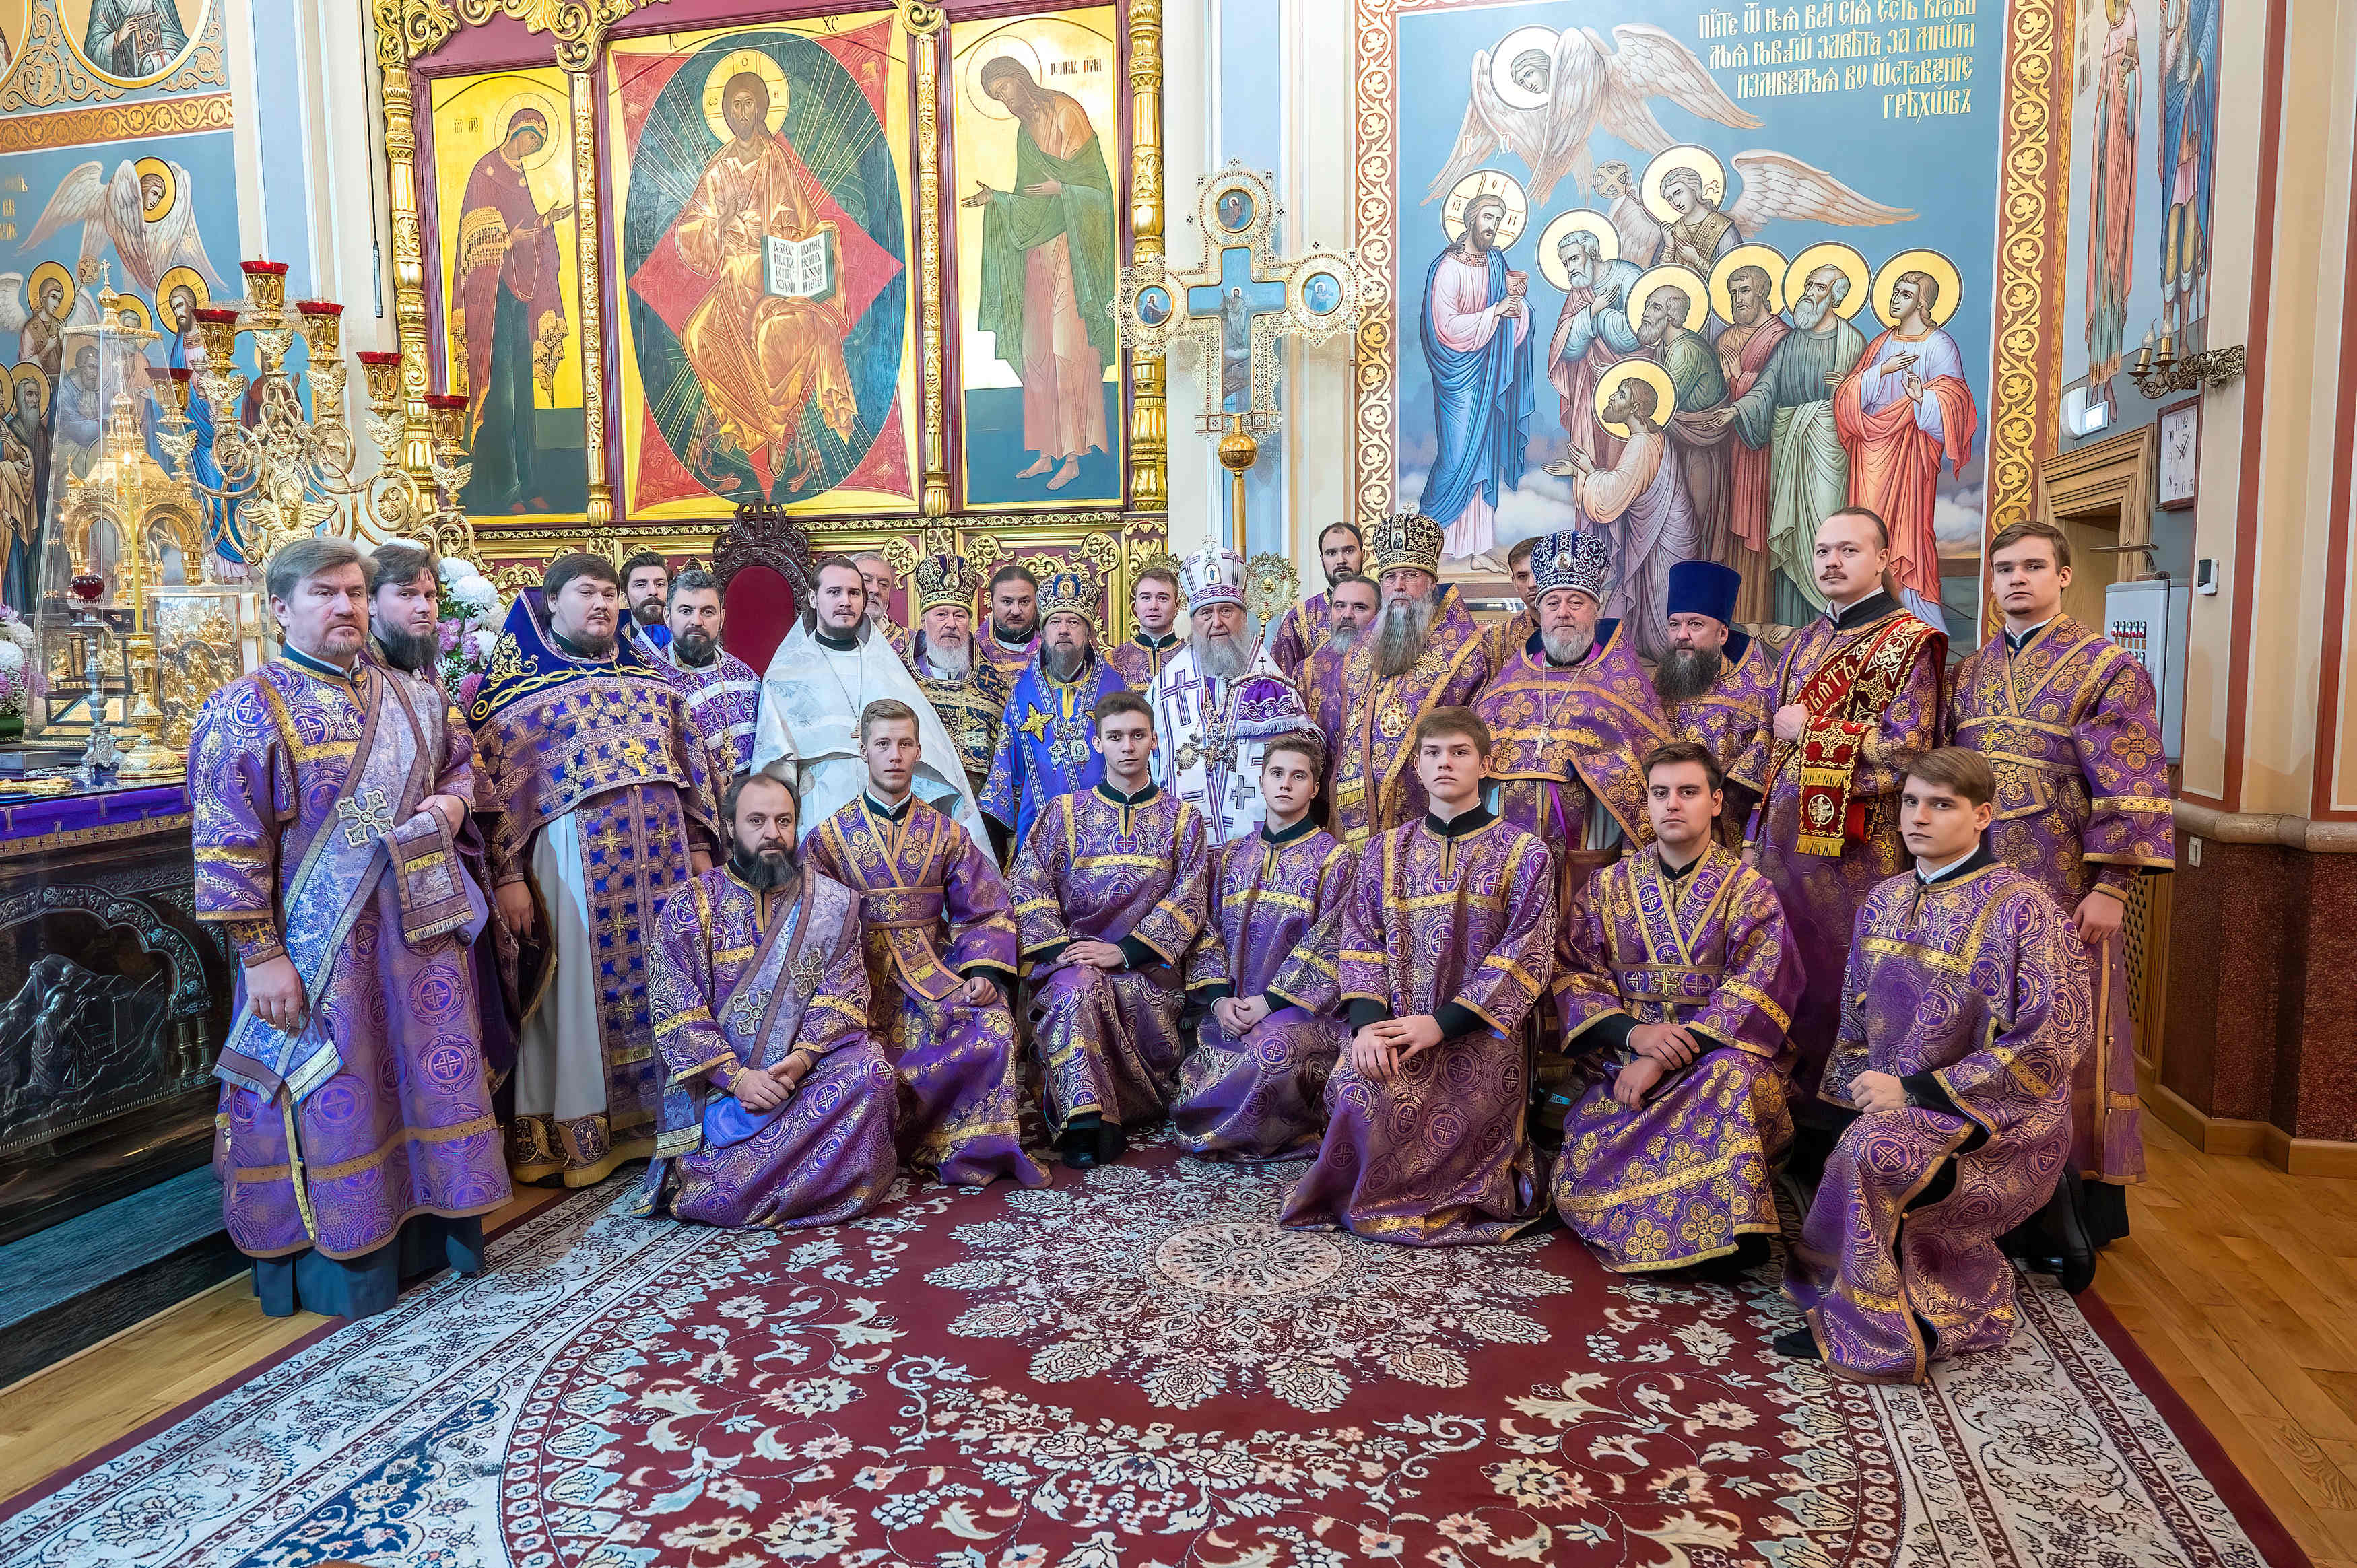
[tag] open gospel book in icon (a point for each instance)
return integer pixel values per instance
(799, 269)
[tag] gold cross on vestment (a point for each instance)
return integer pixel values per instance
(1034, 724)
(634, 752)
(367, 815)
(611, 841)
(808, 970)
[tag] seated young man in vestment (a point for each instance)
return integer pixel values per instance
(1110, 890)
(1962, 1013)
(1448, 939)
(1254, 1086)
(1676, 981)
(940, 960)
(778, 1110)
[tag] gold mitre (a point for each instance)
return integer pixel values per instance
(945, 580)
(1404, 538)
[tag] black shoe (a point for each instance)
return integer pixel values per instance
(1080, 1144)
(1799, 1344)
(2064, 1222)
(1733, 1268)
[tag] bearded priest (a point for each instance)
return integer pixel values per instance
(823, 676)
(1676, 986)
(724, 694)
(327, 794)
(939, 939)
(604, 790)
(1714, 679)
(1341, 551)
(1219, 702)
(1424, 654)
(1046, 738)
(1449, 939)
(1350, 607)
(1110, 892)
(778, 1108)
(1964, 1009)
(1573, 715)
(967, 693)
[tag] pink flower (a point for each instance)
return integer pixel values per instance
(468, 687)
(450, 629)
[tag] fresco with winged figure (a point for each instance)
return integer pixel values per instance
(762, 183)
(1692, 275)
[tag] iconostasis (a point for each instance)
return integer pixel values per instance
(844, 273)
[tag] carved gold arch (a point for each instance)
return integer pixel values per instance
(409, 30)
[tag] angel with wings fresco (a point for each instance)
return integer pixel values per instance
(147, 212)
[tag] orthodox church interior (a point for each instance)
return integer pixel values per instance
(1281, 493)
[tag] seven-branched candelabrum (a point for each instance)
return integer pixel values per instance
(288, 471)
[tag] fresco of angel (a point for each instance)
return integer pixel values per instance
(1684, 190)
(1541, 94)
(147, 212)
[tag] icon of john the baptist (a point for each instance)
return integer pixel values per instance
(763, 359)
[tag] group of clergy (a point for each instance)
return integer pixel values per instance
(1488, 923)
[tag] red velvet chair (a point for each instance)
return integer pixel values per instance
(762, 561)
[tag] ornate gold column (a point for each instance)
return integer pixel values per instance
(1149, 419)
(924, 23)
(589, 242)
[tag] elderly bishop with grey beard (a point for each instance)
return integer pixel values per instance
(1424, 652)
(1572, 715)
(968, 693)
(1220, 700)
(1715, 679)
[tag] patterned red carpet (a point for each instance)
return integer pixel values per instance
(1135, 1369)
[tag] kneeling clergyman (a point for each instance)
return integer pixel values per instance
(1110, 891)
(326, 795)
(1448, 942)
(778, 1110)
(1253, 1088)
(1678, 985)
(1964, 1010)
(940, 963)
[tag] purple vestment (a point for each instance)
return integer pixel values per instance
(1301, 633)
(1375, 786)
(1563, 736)
(1729, 718)
(1275, 932)
(1970, 984)
(606, 751)
(744, 979)
(1460, 925)
(1826, 828)
(1681, 1178)
(724, 698)
(1135, 873)
(1141, 659)
(2082, 805)
(306, 791)
(935, 914)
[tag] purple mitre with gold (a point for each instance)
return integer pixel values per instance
(1572, 558)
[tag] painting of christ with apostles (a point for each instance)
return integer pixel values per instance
(763, 241)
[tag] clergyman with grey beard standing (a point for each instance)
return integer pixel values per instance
(1353, 602)
(1425, 652)
(1716, 681)
(1047, 740)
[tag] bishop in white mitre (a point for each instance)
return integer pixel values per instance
(1220, 700)
(825, 674)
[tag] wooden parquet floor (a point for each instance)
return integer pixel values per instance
(2239, 1281)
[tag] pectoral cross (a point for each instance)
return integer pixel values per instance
(367, 815)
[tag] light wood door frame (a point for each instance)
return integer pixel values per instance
(2113, 477)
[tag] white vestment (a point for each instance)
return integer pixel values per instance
(808, 731)
(1212, 735)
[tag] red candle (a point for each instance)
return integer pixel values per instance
(263, 268)
(318, 308)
